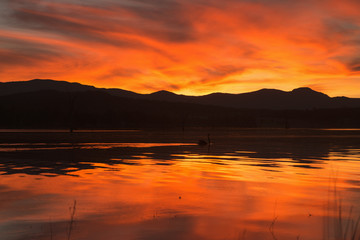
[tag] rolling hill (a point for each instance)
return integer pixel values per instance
(300, 98)
(63, 105)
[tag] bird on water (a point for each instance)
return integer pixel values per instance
(203, 142)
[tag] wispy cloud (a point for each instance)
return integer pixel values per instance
(196, 46)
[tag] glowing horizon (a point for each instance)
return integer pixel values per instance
(187, 47)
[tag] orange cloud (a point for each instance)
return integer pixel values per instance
(190, 47)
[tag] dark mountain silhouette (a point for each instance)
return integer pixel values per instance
(301, 98)
(56, 104)
(168, 96)
(100, 110)
(9, 88)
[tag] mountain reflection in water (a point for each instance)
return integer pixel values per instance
(162, 185)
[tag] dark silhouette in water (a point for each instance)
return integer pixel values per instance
(202, 142)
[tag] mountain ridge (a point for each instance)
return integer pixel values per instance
(78, 85)
(299, 98)
(47, 104)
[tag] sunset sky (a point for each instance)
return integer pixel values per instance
(185, 46)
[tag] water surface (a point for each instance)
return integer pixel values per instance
(248, 184)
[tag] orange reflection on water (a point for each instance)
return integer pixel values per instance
(191, 196)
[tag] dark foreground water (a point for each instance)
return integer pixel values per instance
(248, 184)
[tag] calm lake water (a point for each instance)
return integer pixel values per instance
(248, 184)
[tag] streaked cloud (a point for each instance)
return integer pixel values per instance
(190, 47)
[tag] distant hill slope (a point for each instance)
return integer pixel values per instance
(52, 109)
(101, 110)
(302, 98)
(34, 85)
(297, 99)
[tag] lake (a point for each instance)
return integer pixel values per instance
(247, 184)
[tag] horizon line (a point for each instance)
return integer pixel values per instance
(179, 94)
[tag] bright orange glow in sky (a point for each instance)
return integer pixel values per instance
(185, 46)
